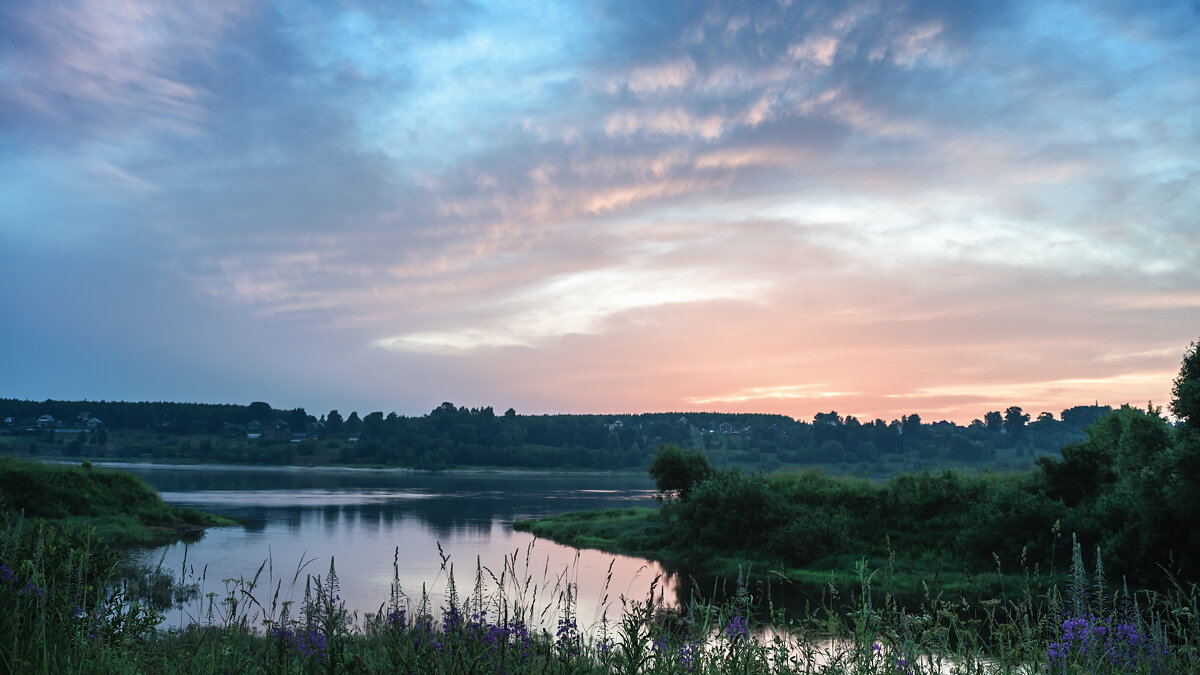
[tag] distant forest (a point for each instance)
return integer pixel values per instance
(452, 436)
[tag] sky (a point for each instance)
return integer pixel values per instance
(876, 208)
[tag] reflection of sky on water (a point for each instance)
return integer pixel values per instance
(253, 498)
(296, 520)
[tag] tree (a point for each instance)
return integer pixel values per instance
(372, 425)
(993, 420)
(827, 419)
(676, 472)
(353, 423)
(297, 420)
(260, 411)
(1015, 419)
(910, 426)
(333, 422)
(1081, 416)
(1185, 393)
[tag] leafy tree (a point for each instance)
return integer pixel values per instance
(297, 420)
(260, 411)
(1184, 491)
(830, 418)
(353, 423)
(1015, 419)
(372, 425)
(676, 472)
(334, 422)
(911, 426)
(993, 420)
(1081, 416)
(1185, 394)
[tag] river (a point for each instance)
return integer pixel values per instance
(380, 525)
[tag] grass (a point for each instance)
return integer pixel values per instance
(121, 508)
(643, 532)
(58, 614)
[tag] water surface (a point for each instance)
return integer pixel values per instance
(374, 524)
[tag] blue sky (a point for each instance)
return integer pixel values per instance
(870, 207)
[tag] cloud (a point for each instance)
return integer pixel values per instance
(663, 77)
(110, 67)
(776, 394)
(577, 303)
(639, 207)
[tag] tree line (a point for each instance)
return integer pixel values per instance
(452, 435)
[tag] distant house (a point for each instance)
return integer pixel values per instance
(46, 421)
(94, 423)
(725, 428)
(617, 425)
(254, 425)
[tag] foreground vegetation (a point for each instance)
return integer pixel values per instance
(61, 612)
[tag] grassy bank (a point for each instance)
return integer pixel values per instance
(644, 532)
(120, 507)
(58, 615)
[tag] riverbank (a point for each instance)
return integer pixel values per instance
(120, 508)
(646, 533)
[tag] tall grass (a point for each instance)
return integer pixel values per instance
(61, 611)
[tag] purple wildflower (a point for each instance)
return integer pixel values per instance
(306, 644)
(737, 629)
(687, 656)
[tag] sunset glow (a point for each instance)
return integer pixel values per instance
(874, 208)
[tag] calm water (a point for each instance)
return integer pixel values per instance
(299, 518)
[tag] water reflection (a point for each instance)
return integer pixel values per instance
(298, 519)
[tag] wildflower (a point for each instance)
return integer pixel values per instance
(451, 620)
(737, 629)
(687, 656)
(1098, 642)
(310, 644)
(568, 641)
